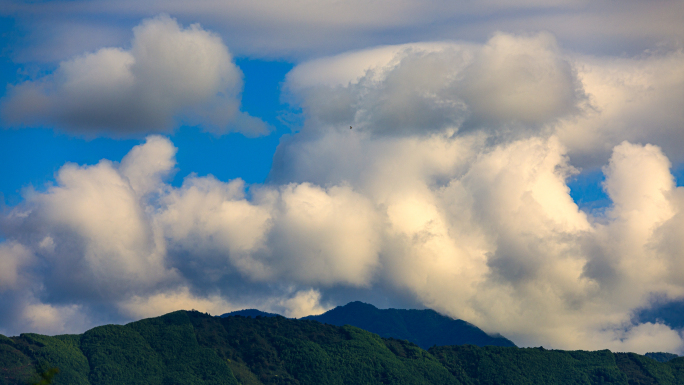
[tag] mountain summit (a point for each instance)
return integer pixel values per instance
(424, 328)
(250, 313)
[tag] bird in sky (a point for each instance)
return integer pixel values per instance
(350, 127)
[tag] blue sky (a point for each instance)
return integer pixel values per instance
(38, 152)
(514, 164)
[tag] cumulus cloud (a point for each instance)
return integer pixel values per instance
(304, 303)
(13, 256)
(511, 83)
(643, 338)
(511, 87)
(138, 307)
(524, 80)
(300, 232)
(479, 222)
(461, 205)
(169, 73)
(324, 236)
(92, 229)
(635, 99)
(53, 319)
(490, 235)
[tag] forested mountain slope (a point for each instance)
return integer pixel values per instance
(425, 328)
(195, 348)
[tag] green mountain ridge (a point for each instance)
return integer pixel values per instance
(425, 328)
(188, 347)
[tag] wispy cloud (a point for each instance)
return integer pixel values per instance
(305, 29)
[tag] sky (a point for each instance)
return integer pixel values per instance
(515, 164)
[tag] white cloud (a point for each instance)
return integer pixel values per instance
(484, 233)
(93, 228)
(169, 73)
(350, 67)
(324, 236)
(500, 244)
(297, 304)
(643, 338)
(300, 232)
(511, 83)
(638, 181)
(512, 86)
(13, 257)
(106, 217)
(146, 166)
(635, 99)
(51, 320)
(304, 303)
(462, 205)
(138, 307)
(490, 233)
(213, 221)
(520, 79)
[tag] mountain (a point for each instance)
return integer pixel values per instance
(250, 313)
(424, 328)
(192, 348)
(661, 357)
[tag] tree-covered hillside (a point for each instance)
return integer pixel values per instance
(194, 348)
(425, 328)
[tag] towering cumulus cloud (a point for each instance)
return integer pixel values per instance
(168, 73)
(451, 192)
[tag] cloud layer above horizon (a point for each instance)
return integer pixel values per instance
(451, 190)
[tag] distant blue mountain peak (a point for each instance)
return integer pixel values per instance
(425, 328)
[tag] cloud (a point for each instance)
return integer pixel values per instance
(309, 29)
(146, 166)
(93, 230)
(511, 83)
(633, 99)
(13, 256)
(325, 236)
(644, 337)
(53, 320)
(489, 235)
(168, 73)
(524, 80)
(304, 303)
(138, 307)
(511, 87)
(463, 206)
(301, 232)
(297, 304)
